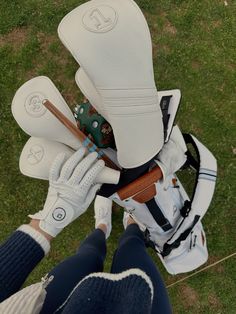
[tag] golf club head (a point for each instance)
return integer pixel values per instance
(38, 154)
(33, 117)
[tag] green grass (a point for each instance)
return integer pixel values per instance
(195, 51)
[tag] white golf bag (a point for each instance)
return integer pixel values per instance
(172, 219)
(175, 230)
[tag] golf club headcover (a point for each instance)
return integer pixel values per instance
(110, 39)
(38, 155)
(172, 156)
(169, 100)
(34, 119)
(90, 92)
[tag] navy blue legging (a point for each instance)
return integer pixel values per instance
(131, 253)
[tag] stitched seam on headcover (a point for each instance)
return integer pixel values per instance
(127, 115)
(126, 108)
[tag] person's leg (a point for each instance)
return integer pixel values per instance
(70, 272)
(132, 253)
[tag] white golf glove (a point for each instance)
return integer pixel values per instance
(172, 156)
(72, 188)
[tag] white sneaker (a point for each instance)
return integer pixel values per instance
(103, 209)
(128, 215)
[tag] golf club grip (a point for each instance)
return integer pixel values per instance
(77, 133)
(143, 187)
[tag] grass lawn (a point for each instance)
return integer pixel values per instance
(195, 51)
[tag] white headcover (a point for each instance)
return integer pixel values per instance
(35, 119)
(90, 92)
(110, 39)
(38, 154)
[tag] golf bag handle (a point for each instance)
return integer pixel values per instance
(142, 189)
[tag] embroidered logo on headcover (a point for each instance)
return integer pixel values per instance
(101, 19)
(34, 105)
(35, 155)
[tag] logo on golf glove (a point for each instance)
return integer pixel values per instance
(59, 214)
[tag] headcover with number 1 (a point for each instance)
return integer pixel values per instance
(111, 40)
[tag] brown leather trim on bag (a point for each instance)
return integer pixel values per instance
(145, 195)
(141, 186)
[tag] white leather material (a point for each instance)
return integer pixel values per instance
(191, 254)
(177, 137)
(35, 119)
(110, 39)
(108, 176)
(90, 92)
(172, 156)
(38, 155)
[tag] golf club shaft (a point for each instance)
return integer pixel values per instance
(86, 142)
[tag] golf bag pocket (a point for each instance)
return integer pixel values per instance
(189, 255)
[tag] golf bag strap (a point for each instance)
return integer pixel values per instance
(184, 211)
(183, 236)
(158, 216)
(195, 209)
(205, 165)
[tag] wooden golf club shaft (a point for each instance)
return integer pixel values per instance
(77, 133)
(142, 189)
